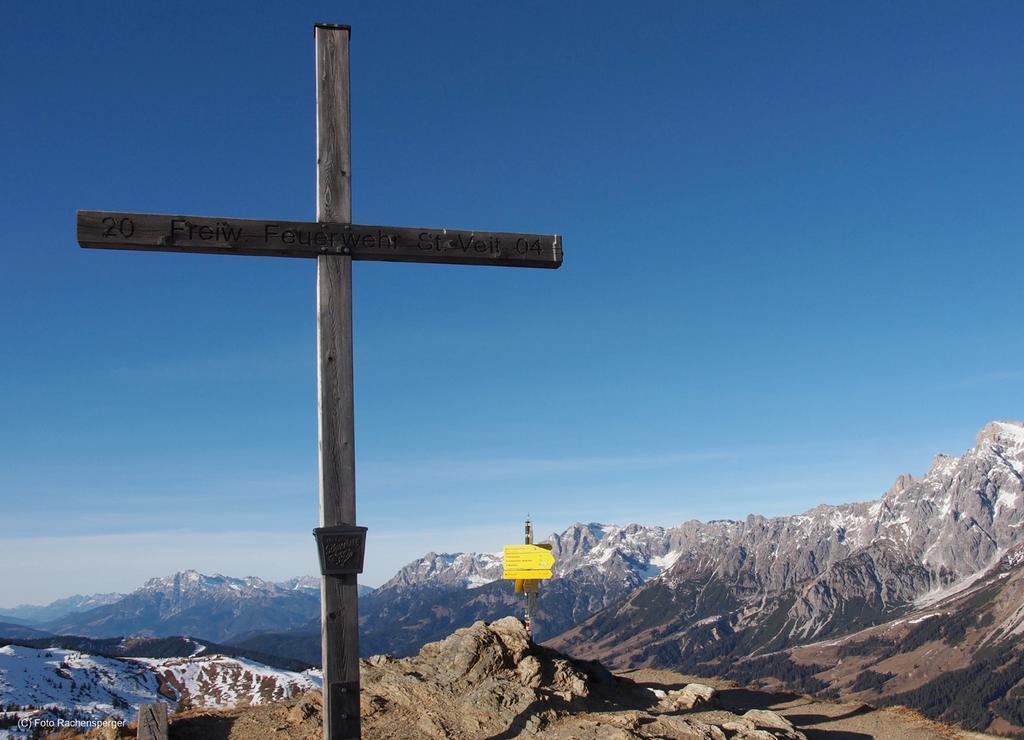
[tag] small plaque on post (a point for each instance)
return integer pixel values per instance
(341, 549)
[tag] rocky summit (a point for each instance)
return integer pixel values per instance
(492, 681)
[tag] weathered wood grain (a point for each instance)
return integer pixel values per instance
(339, 617)
(211, 235)
(152, 724)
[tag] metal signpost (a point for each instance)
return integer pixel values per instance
(334, 242)
(528, 564)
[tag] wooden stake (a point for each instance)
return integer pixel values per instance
(152, 723)
(338, 594)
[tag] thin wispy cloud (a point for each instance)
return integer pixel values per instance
(405, 472)
(991, 378)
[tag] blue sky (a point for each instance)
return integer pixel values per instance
(793, 238)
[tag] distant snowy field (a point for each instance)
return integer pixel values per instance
(50, 684)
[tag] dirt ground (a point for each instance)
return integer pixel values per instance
(818, 720)
(299, 719)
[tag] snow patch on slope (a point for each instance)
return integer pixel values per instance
(934, 596)
(93, 687)
(75, 685)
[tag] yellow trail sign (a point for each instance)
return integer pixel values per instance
(515, 575)
(528, 557)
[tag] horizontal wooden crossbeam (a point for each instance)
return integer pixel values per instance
(165, 233)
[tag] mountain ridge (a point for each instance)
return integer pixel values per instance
(30, 614)
(214, 607)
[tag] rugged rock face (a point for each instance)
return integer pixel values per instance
(958, 657)
(459, 570)
(760, 585)
(480, 681)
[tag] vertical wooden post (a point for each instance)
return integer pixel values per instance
(339, 616)
(152, 724)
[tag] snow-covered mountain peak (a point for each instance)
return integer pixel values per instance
(1007, 434)
(193, 582)
(942, 466)
(302, 583)
(459, 569)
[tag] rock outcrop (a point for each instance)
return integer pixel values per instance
(491, 681)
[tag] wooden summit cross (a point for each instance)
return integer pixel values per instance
(334, 241)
